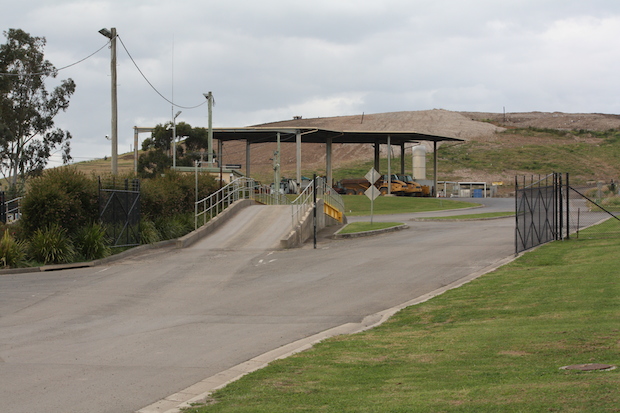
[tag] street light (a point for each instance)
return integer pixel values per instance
(174, 139)
(111, 34)
(209, 97)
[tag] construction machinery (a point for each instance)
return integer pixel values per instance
(401, 185)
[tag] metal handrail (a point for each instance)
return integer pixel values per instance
(247, 188)
(13, 214)
(301, 204)
(305, 200)
(241, 188)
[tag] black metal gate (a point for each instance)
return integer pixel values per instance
(119, 210)
(548, 208)
(538, 210)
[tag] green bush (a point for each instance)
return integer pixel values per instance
(51, 245)
(148, 232)
(174, 227)
(61, 196)
(12, 251)
(92, 243)
(173, 194)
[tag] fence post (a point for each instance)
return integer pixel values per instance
(567, 208)
(314, 211)
(557, 194)
(516, 215)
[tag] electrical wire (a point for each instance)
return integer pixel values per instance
(59, 69)
(47, 73)
(151, 85)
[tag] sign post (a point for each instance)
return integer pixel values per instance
(372, 192)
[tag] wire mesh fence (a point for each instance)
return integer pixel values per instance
(119, 210)
(593, 211)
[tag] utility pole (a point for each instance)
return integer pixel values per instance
(173, 144)
(209, 97)
(111, 34)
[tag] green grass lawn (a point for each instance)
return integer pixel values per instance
(354, 227)
(356, 205)
(475, 216)
(496, 344)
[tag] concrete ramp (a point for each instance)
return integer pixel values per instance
(256, 227)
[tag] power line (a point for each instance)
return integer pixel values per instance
(47, 73)
(151, 85)
(57, 70)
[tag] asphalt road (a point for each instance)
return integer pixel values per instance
(119, 337)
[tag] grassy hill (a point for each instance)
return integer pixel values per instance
(497, 147)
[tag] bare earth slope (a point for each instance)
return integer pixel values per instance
(471, 126)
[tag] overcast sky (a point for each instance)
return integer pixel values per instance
(270, 60)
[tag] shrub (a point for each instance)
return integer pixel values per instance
(12, 251)
(174, 227)
(173, 194)
(51, 245)
(148, 232)
(61, 196)
(92, 243)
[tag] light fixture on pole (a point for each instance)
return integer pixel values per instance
(111, 34)
(174, 139)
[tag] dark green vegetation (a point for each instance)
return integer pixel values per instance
(157, 158)
(60, 217)
(496, 344)
(27, 109)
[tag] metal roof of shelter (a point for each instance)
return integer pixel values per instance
(258, 134)
(317, 135)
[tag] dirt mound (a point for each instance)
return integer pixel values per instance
(471, 126)
(432, 122)
(555, 120)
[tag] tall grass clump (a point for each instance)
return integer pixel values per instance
(52, 245)
(12, 251)
(148, 232)
(92, 243)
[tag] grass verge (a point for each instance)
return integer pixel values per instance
(473, 216)
(356, 205)
(495, 344)
(354, 227)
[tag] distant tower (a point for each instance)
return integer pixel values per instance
(419, 162)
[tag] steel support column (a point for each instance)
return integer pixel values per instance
(389, 164)
(298, 152)
(434, 193)
(247, 158)
(328, 161)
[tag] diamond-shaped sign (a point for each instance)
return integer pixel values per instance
(372, 192)
(372, 176)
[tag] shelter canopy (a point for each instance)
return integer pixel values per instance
(316, 135)
(328, 137)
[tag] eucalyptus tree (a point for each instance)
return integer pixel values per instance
(28, 137)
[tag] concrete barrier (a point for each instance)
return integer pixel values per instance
(305, 229)
(196, 235)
